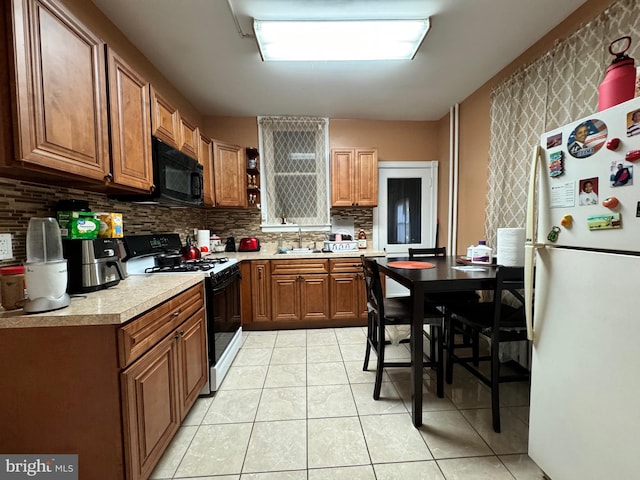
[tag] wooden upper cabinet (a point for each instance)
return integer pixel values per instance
(60, 91)
(205, 157)
(189, 138)
(165, 119)
(366, 191)
(131, 158)
(354, 177)
(229, 173)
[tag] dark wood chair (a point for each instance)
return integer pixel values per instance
(445, 301)
(500, 321)
(384, 311)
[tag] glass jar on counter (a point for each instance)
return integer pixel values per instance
(362, 239)
(12, 287)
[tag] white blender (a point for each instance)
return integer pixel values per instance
(45, 272)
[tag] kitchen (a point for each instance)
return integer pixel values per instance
(406, 140)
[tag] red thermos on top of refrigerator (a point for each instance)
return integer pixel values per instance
(620, 78)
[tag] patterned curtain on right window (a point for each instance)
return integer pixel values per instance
(558, 88)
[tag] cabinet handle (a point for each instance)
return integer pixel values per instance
(176, 336)
(152, 188)
(108, 177)
(175, 314)
(181, 333)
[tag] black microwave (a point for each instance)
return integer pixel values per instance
(178, 179)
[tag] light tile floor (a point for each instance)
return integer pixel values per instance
(296, 405)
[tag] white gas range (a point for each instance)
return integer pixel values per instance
(160, 254)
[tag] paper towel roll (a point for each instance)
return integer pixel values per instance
(203, 239)
(510, 247)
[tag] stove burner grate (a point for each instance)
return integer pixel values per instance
(199, 265)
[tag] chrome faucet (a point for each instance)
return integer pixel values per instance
(299, 237)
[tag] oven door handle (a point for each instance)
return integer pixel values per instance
(220, 287)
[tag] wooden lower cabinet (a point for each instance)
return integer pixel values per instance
(347, 289)
(150, 407)
(260, 275)
(300, 290)
(157, 392)
(300, 297)
(113, 395)
(303, 293)
(159, 388)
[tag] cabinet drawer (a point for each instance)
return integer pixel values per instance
(345, 265)
(301, 266)
(142, 333)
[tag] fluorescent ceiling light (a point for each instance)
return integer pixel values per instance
(312, 40)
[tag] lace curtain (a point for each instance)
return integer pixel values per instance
(295, 171)
(558, 88)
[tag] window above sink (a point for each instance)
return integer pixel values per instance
(295, 159)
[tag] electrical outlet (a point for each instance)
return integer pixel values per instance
(6, 252)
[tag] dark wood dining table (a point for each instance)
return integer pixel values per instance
(442, 277)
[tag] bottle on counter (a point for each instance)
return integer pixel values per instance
(12, 287)
(362, 239)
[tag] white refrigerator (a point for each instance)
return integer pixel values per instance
(583, 292)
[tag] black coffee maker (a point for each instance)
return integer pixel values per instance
(230, 246)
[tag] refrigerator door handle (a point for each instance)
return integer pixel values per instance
(530, 241)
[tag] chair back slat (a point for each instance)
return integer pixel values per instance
(508, 279)
(373, 284)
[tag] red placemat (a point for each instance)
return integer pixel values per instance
(410, 264)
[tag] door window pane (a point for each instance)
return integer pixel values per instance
(404, 204)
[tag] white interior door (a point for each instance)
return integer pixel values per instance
(406, 216)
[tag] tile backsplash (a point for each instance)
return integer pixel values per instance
(19, 201)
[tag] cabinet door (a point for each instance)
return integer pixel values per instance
(60, 91)
(342, 177)
(229, 175)
(261, 291)
(366, 178)
(345, 292)
(285, 297)
(314, 297)
(192, 360)
(150, 408)
(205, 157)
(130, 125)
(189, 138)
(165, 121)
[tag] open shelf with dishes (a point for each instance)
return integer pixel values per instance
(253, 177)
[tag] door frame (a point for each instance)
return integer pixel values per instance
(430, 197)
(432, 165)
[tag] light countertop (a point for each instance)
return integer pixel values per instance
(268, 252)
(115, 305)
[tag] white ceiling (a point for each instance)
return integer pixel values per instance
(196, 45)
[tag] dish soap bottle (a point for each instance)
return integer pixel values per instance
(482, 253)
(362, 239)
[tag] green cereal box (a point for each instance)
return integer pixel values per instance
(78, 225)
